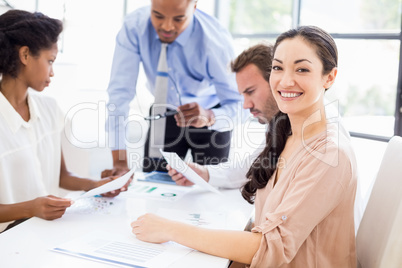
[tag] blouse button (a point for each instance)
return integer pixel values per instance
(284, 217)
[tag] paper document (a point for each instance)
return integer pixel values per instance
(161, 192)
(176, 163)
(95, 205)
(107, 187)
(123, 250)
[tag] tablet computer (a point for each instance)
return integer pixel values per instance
(159, 177)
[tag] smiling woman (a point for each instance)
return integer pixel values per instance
(298, 168)
(298, 80)
(303, 183)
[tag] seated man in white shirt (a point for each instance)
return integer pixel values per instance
(252, 68)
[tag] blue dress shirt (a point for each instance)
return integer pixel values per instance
(198, 62)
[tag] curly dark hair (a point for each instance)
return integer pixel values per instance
(20, 28)
(279, 127)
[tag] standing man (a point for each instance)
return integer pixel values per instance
(185, 54)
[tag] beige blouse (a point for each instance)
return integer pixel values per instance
(307, 218)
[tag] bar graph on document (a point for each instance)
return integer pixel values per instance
(123, 251)
(197, 220)
(158, 191)
(128, 251)
(207, 219)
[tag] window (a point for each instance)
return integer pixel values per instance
(369, 41)
(368, 35)
(257, 17)
(368, 87)
(353, 16)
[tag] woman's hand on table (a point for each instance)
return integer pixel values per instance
(152, 228)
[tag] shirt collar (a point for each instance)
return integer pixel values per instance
(33, 108)
(14, 119)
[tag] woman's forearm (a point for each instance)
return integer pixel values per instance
(15, 211)
(69, 181)
(74, 183)
(238, 246)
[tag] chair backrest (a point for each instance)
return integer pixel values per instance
(379, 238)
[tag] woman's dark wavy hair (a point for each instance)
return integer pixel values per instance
(279, 127)
(20, 28)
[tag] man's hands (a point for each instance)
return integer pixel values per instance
(119, 168)
(110, 174)
(192, 114)
(181, 180)
(114, 192)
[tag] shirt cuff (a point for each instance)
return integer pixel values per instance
(215, 175)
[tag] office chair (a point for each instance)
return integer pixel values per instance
(379, 237)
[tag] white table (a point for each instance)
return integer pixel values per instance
(29, 244)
